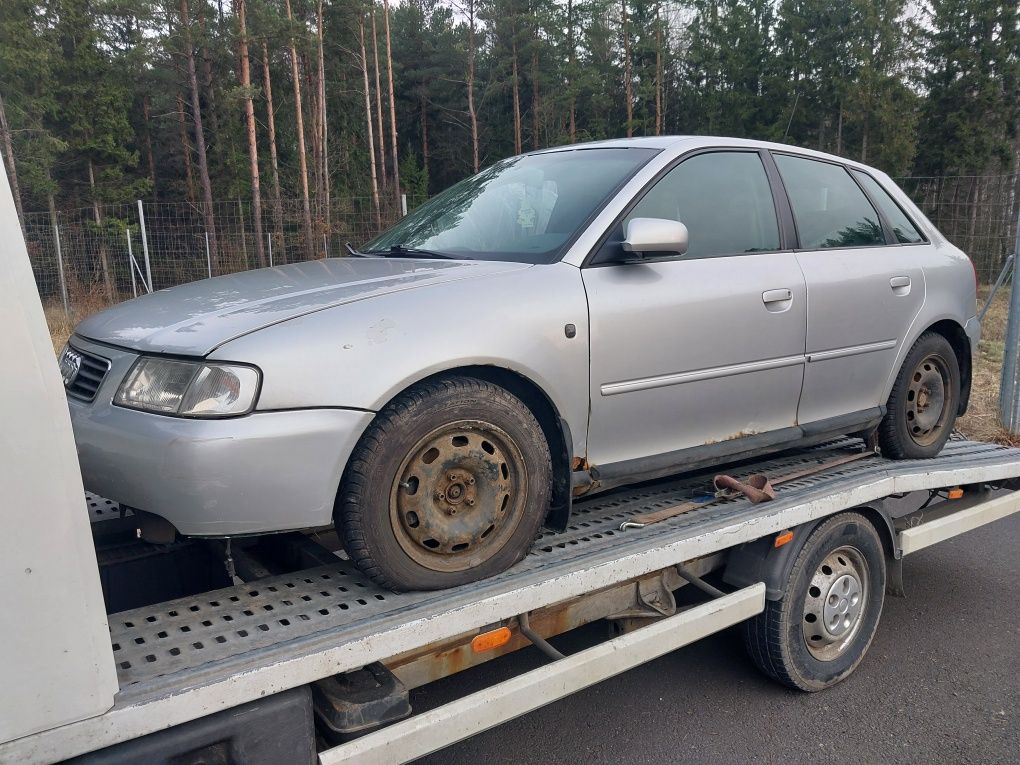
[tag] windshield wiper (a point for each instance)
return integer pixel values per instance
(356, 253)
(402, 250)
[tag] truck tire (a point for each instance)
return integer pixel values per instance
(924, 401)
(818, 633)
(449, 484)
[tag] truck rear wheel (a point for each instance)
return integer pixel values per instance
(450, 484)
(818, 633)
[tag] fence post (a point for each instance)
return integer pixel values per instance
(60, 270)
(269, 241)
(1009, 393)
(208, 256)
(145, 247)
(325, 248)
(244, 247)
(403, 205)
(131, 264)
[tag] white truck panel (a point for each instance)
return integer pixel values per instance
(57, 663)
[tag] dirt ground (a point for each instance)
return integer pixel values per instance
(981, 421)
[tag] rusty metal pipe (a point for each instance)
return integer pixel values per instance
(537, 640)
(701, 584)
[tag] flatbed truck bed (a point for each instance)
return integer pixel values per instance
(185, 659)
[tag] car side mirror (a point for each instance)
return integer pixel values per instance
(655, 235)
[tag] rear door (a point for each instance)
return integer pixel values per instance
(689, 350)
(864, 289)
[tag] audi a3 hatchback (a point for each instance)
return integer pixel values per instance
(564, 322)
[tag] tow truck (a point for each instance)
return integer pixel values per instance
(277, 650)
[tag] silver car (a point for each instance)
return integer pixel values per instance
(564, 322)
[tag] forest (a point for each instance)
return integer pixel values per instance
(302, 101)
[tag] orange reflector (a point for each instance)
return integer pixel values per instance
(486, 641)
(783, 537)
(955, 493)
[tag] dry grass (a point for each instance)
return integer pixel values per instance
(84, 300)
(982, 419)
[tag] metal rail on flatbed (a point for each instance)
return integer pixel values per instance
(184, 659)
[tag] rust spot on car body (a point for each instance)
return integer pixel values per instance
(579, 463)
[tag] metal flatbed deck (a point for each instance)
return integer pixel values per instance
(186, 658)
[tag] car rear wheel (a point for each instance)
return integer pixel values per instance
(449, 485)
(924, 402)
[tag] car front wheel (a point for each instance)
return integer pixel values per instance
(449, 485)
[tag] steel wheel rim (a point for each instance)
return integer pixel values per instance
(835, 603)
(928, 402)
(458, 495)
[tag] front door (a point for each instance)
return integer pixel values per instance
(705, 347)
(865, 286)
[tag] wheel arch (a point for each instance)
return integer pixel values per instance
(555, 428)
(956, 335)
(762, 561)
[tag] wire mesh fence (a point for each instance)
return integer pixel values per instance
(85, 259)
(88, 258)
(977, 213)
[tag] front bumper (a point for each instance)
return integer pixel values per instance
(266, 471)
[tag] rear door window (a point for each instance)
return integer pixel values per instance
(906, 232)
(723, 198)
(829, 208)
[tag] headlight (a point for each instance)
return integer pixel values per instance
(188, 389)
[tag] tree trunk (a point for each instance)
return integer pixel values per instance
(571, 59)
(518, 148)
(196, 116)
(312, 89)
(267, 86)
(104, 255)
(300, 126)
(395, 163)
(189, 173)
(628, 85)
(378, 104)
(323, 124)
(472, 114)
(368, 121)
(12, 170)
(249, 118)
(839, 130)
(210, 93)
(658, 73)
(535, 122)
(424, 135)
(150, 157)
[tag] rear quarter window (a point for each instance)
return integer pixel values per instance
(905, 230)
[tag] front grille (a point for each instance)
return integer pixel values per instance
(90, 374)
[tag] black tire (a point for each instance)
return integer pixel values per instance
(449, 484)
(924, 401)
(778, 639)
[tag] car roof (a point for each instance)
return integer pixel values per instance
(679, 143)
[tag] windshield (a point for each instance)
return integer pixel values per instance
(525, 209)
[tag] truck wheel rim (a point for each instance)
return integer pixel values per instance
(928, 405)
(835, 604)
(459, 495)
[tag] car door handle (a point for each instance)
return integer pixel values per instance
(777, 301)
(900, 285)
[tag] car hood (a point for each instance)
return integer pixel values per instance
(194, 319)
